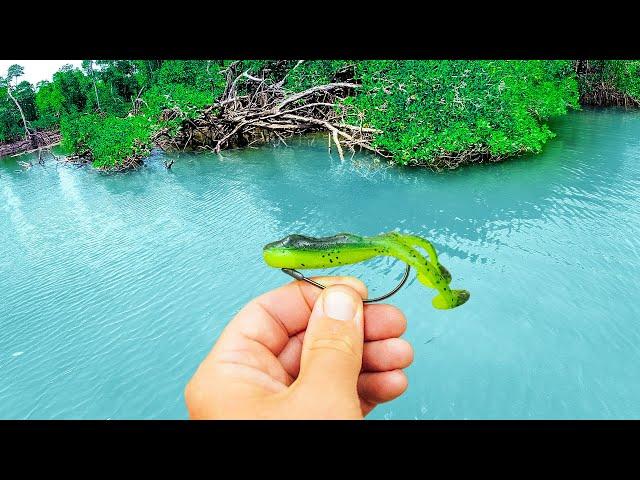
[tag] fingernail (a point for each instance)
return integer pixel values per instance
(339, 305)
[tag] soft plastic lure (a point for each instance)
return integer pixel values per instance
(299, 251)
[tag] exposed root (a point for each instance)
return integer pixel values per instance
(601, 94)
(451, 161)
(86, 158)
(596, 91)
(267, 113)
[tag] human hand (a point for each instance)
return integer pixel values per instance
(301, 352)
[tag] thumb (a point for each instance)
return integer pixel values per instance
(332, 348)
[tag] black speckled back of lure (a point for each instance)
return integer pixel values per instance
(302, 242)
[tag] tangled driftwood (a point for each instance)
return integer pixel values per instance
(35, 141)
(265, 111)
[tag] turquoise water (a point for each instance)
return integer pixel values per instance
(114, 287)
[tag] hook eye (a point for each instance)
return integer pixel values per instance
(299, 276)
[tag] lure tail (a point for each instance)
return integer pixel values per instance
(459, 297)
(430, 272)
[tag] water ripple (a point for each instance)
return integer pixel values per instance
(114, 287)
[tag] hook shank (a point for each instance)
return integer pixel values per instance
(300, 276)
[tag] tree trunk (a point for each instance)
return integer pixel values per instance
(95, 88)
(24, 120)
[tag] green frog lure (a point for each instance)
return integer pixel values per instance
(299, 251)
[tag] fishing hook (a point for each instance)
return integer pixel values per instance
(299, 276)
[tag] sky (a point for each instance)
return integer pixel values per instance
(37, 70)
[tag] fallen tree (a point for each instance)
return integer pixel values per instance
(35, 141)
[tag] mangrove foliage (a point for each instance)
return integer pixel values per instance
(438, 114)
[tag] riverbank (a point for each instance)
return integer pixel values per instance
(433, 114)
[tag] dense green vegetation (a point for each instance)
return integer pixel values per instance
(433, 109)
(624, 76)
(426, 111)
(131, 96)
(17, 104)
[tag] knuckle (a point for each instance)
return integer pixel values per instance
(337, 343)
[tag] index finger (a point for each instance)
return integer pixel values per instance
(292, 303)
(274, 316)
